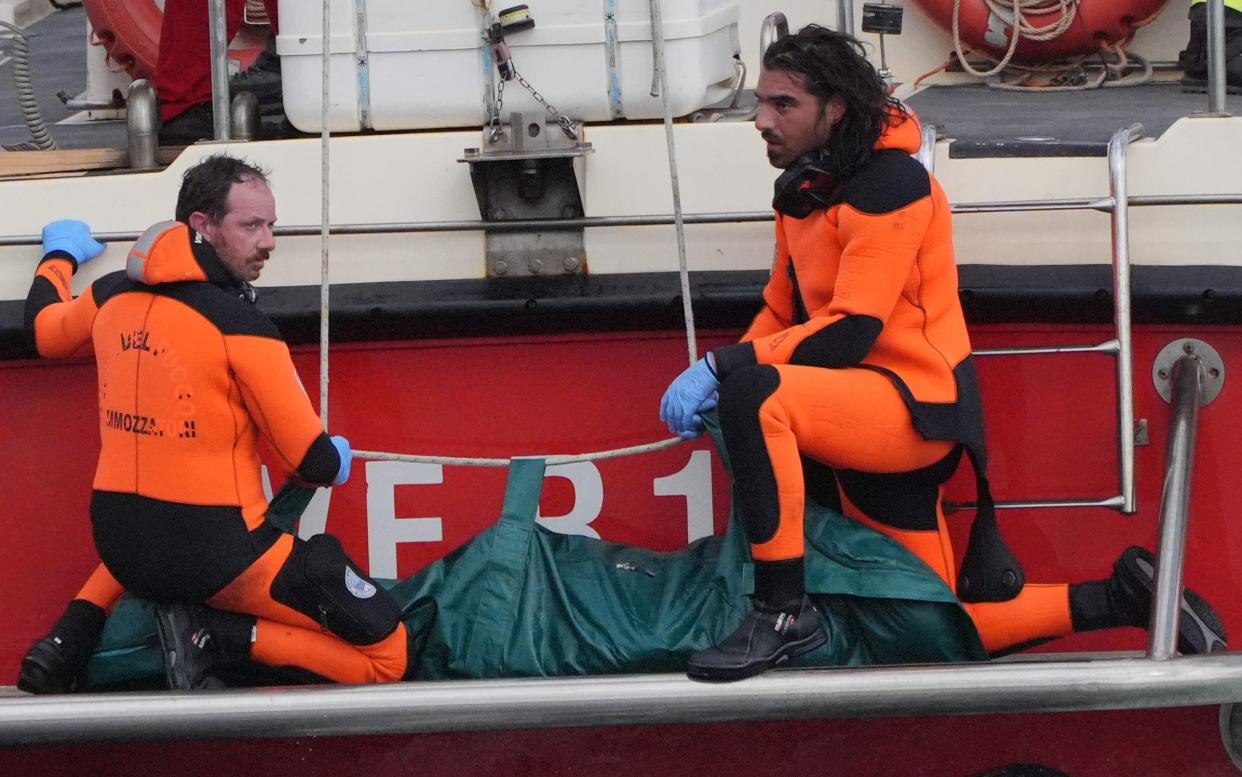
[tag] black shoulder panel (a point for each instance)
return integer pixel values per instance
(891, 180)
(112, 284)
(231, 314)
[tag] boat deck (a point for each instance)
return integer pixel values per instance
(983, 122)
(986, 122)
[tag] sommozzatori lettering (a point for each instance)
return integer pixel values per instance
(136, 423)
(132, 422)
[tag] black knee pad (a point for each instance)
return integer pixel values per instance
(320, 581)
(741, 395)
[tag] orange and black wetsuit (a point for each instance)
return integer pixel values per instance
(855, 381)
(191, 375)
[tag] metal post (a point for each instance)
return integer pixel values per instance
(1216, 56)
(219, 70)
(1117, 147)
(775, 26)
(845, 16)
(1166, 597)
(142, 118)
(927, 147)
(244, 117)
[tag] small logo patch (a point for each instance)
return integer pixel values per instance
(360, 588)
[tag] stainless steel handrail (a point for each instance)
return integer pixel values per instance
(1187, 396)
(481, 705)
(218, 29)
(845, 16)
(1101, 204)
(1119, 347)
(775, 26)
(1118, 188)
(1216, 56)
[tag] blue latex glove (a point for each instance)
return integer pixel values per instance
(693, 393)
(347, 457)
(73, 237)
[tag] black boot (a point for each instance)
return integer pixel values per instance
(55, 662)
(262, 79)
(1194, 59)
(768, 636)
(188, 127)
(782, 625)
(195, 639)
(1124, 599)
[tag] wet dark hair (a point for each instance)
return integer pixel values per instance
(205, 187)
(836, 64)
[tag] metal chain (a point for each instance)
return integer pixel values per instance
(568, 125)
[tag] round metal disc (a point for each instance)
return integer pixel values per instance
(1213, 368)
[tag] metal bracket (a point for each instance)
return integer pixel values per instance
(1208, 358)
(530, 170)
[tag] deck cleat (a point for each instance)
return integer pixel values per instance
(1199, 628)
(768, 636)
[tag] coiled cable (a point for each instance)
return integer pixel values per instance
(24, 86)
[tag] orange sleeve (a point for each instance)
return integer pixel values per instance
(274, 396)
(60, 325)
(777, 312)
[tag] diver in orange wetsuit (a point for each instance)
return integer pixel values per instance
(191, 375)
(855, 385)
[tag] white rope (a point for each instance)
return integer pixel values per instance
(325, 229)
(557, 458)
(657, 62)
(1021, 28)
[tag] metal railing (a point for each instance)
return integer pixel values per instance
(1216, 56)
(482, 705)
(1119, 346)
(1187, 397)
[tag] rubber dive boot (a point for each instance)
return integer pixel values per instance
(55, 662)
(190, 650)
(1199, 627)
(768, 636)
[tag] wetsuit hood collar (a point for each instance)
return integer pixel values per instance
(170, 252)
(902, 132)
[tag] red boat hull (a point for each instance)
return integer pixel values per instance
(1052, 433)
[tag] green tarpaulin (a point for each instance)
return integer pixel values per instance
(520, 600)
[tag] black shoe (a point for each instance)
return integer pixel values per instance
(190, 650)
(55, 662)
(767, 637)
(1199, 627)
(262, 79)
(195, 124)
(188, 127)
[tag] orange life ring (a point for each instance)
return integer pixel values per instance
(1097, 23)
(130, 31)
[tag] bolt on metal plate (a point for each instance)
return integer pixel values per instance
(1213, 368)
